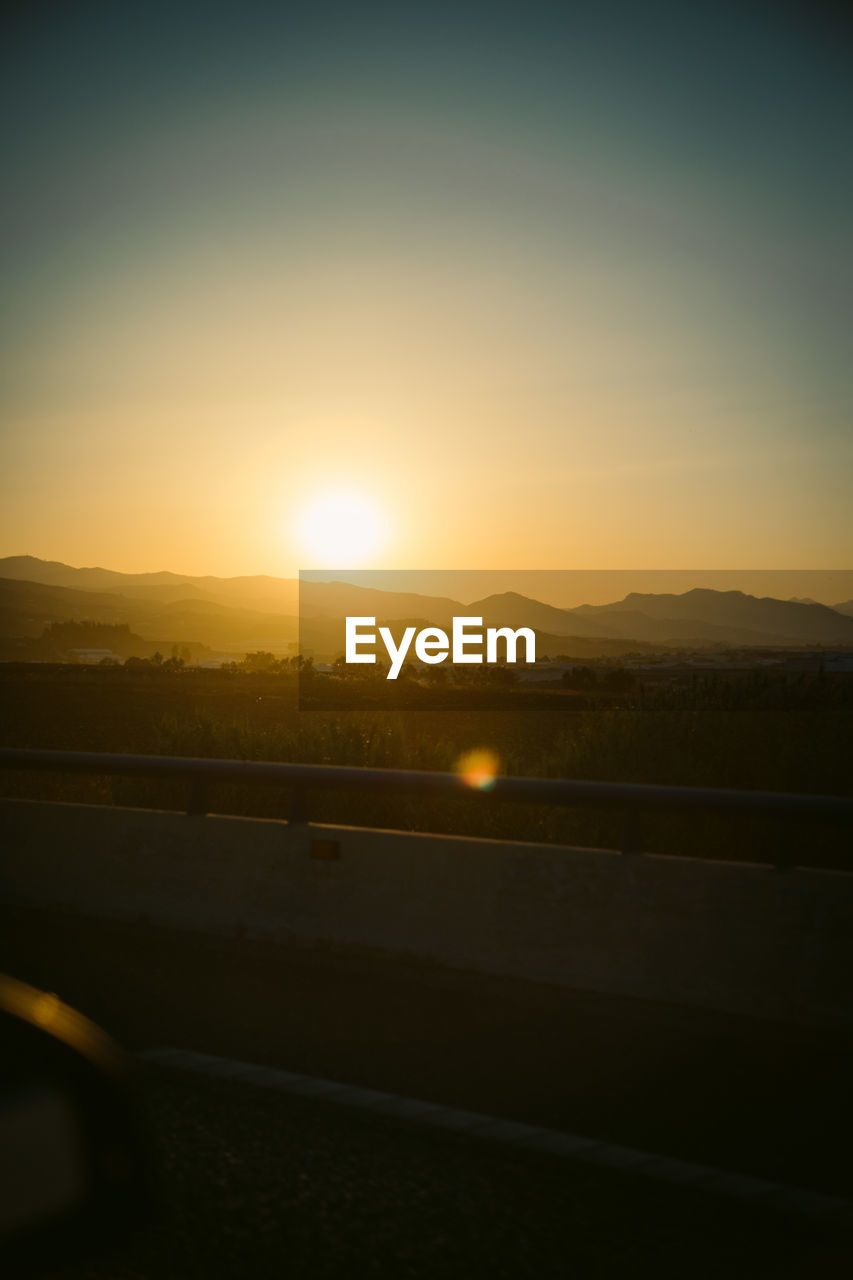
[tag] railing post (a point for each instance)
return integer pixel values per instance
(785, 835)
(299, 805)
(197, 805)
(632, 832)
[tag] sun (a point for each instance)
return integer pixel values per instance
(340, 530)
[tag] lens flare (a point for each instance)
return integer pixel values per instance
(478, 769)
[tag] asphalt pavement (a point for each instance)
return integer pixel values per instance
(755, 1096)
(253, 1183)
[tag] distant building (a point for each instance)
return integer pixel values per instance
(91, 657)
(548, 673)
(837, 662)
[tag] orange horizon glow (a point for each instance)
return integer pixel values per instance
(554, 304)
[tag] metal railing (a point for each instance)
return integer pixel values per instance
(632, 799)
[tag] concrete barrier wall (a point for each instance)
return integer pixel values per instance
(741, 938)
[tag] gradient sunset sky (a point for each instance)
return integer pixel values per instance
(547, 286)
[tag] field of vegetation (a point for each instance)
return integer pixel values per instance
(757, 731)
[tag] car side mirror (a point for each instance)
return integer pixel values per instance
(74, 1177)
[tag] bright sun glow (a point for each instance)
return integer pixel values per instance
(340, 530)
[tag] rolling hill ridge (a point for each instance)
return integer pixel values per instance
(247, 613)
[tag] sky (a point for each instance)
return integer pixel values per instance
(516, 285)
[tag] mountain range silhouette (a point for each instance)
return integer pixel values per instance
(262, 611)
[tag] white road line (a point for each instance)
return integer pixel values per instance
(736, 1186)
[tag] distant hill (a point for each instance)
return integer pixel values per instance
(261, 593)
(261, 612)
(343, 599)
(632, 624)
(777, 621)
(54, 573)
(27, 608)
(695, 619)
(509, 609)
